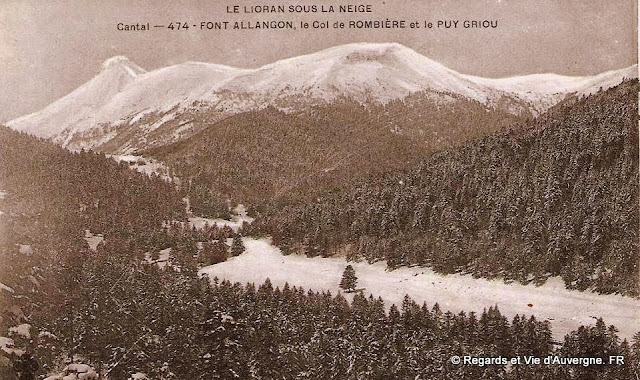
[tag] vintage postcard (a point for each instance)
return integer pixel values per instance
(397, 189)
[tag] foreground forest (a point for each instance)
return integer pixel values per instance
(122, 314)
(555, 196)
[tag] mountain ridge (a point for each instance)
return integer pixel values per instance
(124, 95)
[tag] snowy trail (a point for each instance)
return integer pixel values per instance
(565, 309)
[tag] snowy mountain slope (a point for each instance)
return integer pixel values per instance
(164, 88)
(125, 108)
(79, 108)
(545, 90)
(364, 71)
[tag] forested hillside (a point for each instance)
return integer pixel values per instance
(555, 197)
(77, 191)
(272, 156)
(122, 314)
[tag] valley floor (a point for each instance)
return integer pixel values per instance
(566, 309)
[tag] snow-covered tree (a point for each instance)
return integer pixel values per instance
(349, 279)
(237, 247)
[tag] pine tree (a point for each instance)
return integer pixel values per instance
(237, 247)
(349, 279)
(635, 352)
(213, 253)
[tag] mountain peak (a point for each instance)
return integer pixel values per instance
(120, 61)
(380, 47)
(367, 51)
(114, 61)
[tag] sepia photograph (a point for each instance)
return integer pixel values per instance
(319, 189)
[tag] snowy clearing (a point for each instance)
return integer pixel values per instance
(6, 345)
(164, 258)
(22, 330)
(75, 371)
(145, 165)
(92, 239)
(566, 309)
(235, 223)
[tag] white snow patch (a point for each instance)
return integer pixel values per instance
(566, 309)
(93, 239)
(26, 249)
(157, 124)
(138, 376)
(76, 371)
(145, 165)
(235, 223)
(164, 258)
(6, 345)
(6, 288)
(181, 129)
(22, 330)
(138, 117)
(5, 342)
(47, 334)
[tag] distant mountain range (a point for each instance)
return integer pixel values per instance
(126, 109)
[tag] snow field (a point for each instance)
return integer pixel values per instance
(565, 309)
(240, 216)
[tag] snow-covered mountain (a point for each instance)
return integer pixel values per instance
(544, 90)
(145, 105)
(363, 71)
(80, 108)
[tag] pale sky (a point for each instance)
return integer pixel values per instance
(50, 47)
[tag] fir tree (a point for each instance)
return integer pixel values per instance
(237, 247)
(349, 279)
